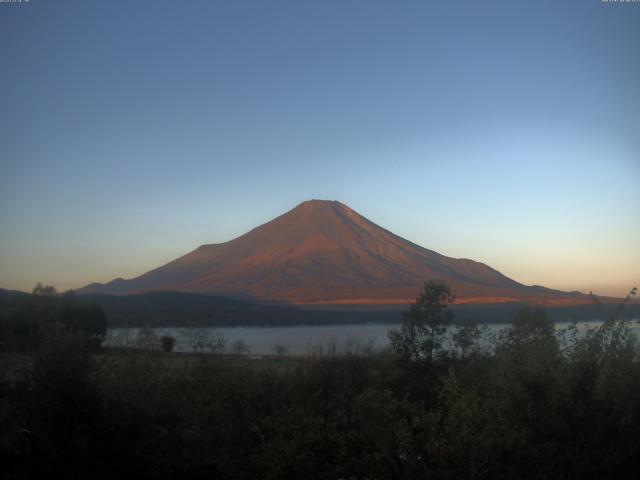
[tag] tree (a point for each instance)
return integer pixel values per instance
(167, 342)
(529, 366)
(27, 320)
(425, 323)
(88, 320)
(218, 344)
(239, 347)
(279, 349)
(198, 338)
(531, 327)
(465, 337)
(147, 338)
(40, 289)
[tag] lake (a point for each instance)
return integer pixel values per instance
(297, 340)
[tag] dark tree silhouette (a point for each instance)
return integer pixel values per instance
(40, 289)
(167, 342)
(425, 323)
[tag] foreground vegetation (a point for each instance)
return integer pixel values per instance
(539, 404)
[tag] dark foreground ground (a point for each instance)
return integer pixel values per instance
(540, 407)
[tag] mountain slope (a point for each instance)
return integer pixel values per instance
(324, 252)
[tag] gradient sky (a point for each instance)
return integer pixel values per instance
(507, 132)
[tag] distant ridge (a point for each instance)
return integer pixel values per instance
(178, 309)
(323, 252)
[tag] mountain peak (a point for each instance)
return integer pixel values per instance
(315, 201)
(321, 206)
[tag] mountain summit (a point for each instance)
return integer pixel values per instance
(324, 252)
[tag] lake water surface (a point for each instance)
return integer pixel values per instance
(297, 340)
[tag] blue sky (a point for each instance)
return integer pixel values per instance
(506, 132)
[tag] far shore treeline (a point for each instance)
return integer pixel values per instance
(541, 403)
(180, 309)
